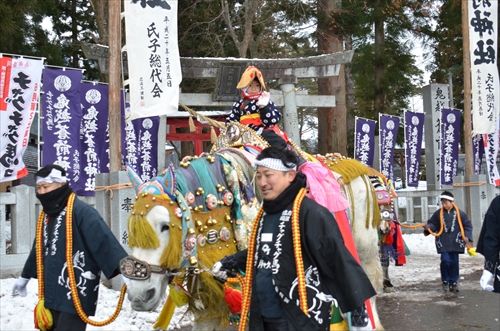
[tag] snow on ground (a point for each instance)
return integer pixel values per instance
(423, 262)
(16, 313)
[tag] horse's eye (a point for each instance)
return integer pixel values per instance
(165, 227)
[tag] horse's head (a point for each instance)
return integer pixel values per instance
(155, 229)
(384, 193)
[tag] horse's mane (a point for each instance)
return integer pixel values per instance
(349, 169)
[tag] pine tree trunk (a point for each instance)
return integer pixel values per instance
(379, 61)
(332, 125)
(349, 89)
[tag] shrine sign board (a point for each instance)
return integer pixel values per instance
(227, 80)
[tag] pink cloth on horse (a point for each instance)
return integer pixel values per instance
(323, 187)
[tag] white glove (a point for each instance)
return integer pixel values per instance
(485, 279)
(20, 286)
(264, 99)
(125, 280)
(216, 272)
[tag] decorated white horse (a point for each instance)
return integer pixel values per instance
(186, 219)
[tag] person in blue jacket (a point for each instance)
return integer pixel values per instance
(447, 224)
(95, 249)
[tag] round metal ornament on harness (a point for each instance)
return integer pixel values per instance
(225, 234)
(228, 198)
(190, 198)
(211, 201)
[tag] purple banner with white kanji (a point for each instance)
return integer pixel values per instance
(364, 140)
(139, 145)
(451, 120)
(94, 100)
(104, 151)
(62, 113)
(388, 131)
(414, 130)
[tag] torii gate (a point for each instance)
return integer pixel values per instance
(287, 71)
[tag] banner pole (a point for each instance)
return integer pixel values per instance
(114, 28)
(469, 157)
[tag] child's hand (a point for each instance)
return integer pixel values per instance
(264, 99)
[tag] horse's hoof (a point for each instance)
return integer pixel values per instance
(389, 289)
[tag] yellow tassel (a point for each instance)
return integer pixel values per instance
(166, 315)
(213, 135)
(192, 127)
(178, 296)
(471, 251)
(341, 326)
(43, 316)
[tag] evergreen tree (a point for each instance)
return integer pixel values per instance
(383, 70)
(21, 31)
(74, 21)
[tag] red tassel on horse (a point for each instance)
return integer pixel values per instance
(233, 299)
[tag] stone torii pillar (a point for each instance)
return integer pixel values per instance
(291, 120)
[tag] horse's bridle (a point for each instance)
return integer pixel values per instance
(136, 269)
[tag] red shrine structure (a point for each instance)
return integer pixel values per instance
(180, 120)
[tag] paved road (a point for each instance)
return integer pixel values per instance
(425, 307)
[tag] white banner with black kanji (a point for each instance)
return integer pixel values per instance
(153, 57)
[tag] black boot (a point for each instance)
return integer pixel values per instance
(388, 287)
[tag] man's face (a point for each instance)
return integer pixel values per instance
(447, 204)
(44, 187)
(273, 182)
(254, 87)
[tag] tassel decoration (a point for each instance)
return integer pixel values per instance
(192, 127)
(213, 135)
(165, 315)
(341, 326)
(43, 316)
(178, 295)
(233, 299)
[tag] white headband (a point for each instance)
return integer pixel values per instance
(54, 176)
(275, 164)
(446, 197)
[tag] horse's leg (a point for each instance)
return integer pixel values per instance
(366, 239)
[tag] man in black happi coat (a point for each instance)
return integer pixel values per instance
(489, 245)
(95, 249)
(330, 273)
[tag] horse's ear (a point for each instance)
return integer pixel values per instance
(134, 177)
(168, 179)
